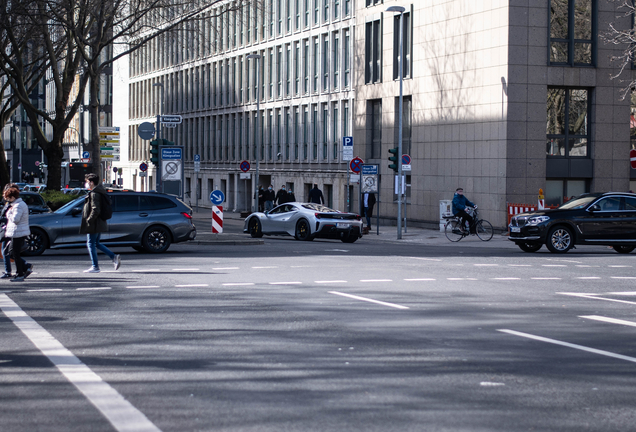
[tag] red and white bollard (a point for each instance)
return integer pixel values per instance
(217, 219)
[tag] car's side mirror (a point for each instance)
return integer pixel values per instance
(76, 211)
(594, 208)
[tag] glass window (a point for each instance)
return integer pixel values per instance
(373, 52)
(567, 122)
(610, 204)
(407, 46)
(572, 32)
(630, 204)
(347, 61)
(376, 128)
(558, 191)
(122, 203)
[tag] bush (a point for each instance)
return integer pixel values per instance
(57, 199)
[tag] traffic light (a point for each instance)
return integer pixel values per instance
(154, 151)
(394, 159)
(168, 143)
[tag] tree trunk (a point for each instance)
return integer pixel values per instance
(4, 169)
(94, 121)
(54, 155)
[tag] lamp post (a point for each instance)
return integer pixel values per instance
(19, 142)
(161, 112)
(257, 58)
(79, 143)
(401, 10)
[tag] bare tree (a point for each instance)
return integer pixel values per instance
(622, 33)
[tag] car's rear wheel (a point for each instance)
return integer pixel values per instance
(303, 231)
(156, 239)
(254, 227)
(529, 246)
(37, 242)
(560, 239)
(623, 249)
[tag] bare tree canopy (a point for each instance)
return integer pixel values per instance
(622, 33)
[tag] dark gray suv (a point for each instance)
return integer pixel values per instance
(147, 221)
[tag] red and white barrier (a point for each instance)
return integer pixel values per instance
(217, 219)
(515, 209)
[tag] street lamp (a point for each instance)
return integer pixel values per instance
(400, 10)
(257, 58)
(19, 142)
(79, 143)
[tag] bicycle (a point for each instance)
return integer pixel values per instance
(455, 230)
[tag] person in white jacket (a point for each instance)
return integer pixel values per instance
(17, 231)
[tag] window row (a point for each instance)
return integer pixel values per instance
(373, 48)
(573, 32)
(227, 28)
(315, 65)
(305, 133)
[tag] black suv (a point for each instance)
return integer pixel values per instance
(598, 218)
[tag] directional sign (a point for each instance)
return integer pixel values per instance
(245, 166)
(171, 119)
(356, 164)
(86, 155)
(347, 148)
(143, 167)
(632, 158)
(217, 197)
(197, 158)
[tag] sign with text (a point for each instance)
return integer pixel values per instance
(347, 148)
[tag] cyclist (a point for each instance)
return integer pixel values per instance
(460, 204)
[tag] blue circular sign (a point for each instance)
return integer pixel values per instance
(245, 166)
(143, 166)
(406, 159)
(86, 155)
(217, 197)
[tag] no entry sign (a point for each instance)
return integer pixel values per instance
(356, 164)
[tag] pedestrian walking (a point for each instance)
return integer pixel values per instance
(261, 199)
(368, 204)
(93, 225)
(17, 231)
(315, 195)
(281, 196)
(290, 195)
(269, 197)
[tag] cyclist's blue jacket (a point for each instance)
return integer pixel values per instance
(460, 202)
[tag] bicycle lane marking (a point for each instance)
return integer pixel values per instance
(118, 411)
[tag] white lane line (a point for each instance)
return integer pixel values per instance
(623, 277)
(609, 320)
(142, 286)
(185, 269)
(595, 297)
(625, 293)
(506, 278)
(588, 277)
(265, 267)
(238, 284)
(619, 266)
(569, 345)
(44, 290)
(285, 283)
(553, 265)
(426, 259)
(225, 268)
(192, 286)
(546, 278)
(330, 281)
(92, 289)
(64, 272)
(393, 305)
(120, 413)
(491, 384)
(376, 280)
(420, 279)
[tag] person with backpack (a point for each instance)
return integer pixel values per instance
(97, 211)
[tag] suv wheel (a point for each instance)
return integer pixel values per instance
(623, 249)
(156, 239)
(529, 246)
(560, 239)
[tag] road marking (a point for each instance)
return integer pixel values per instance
(619, 266)
(331, 281)
(595, 297)
(142, 286)
(491, 384)
(625, 293)
(520, 265)
(336, 250)
(376, 280)
(421, 279)
(553, 265)
(546, 278)
(570, 345)
(95, 288)
(225, 268)
(393, 305)
(44, 290)
(426, 259)
(285, 283)
(192, 286)
(609, 320)
(265, 267)
(118, 411)
(238, 284)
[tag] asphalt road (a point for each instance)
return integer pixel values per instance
(379, 335)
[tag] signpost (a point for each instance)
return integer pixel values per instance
(172, 170)
(369, 183)
(109, 143)
(347, 148)
(171, 119)
(406, 162)
(245, 167)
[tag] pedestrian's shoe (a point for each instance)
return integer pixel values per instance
(29, 270)
(6, 276)
(117, 261)
(92, 270)
(18, 279)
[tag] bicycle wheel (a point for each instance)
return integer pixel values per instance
(453, 232)
(484, 230)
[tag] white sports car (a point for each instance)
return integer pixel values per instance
(305, 221)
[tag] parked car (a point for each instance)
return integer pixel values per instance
(35, 202)
(146, 221)
(305, 222)
(590, 219)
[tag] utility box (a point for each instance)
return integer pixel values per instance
(445, 209)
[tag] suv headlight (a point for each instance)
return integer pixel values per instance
(536, 220)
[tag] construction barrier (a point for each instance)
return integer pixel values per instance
(515, 209)
(217, 219)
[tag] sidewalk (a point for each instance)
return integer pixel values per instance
(233, 234)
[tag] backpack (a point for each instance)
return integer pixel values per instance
(107, 208)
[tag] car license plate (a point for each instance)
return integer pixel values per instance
(515, 229)
(342, 225)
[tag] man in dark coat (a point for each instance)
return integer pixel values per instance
(281, 196)
(93, 225)
(315, 195)
(368, 202)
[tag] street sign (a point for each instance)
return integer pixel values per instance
(217, 197)
(173, 153)
(110, 157)
(146, 130)
(176, 119)
(115, 169)
(171, 164)
(245, 166)
(86, 155)
(245, 176)
(632, 158)
(406, 159)
(370, 178)
(143, 167)
(347, 148)
(356, 164)
(197, 158)
(37, 163)
(197, 163)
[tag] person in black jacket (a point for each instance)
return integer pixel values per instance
(281, 196)
(368, 202)
(290, 195)
(269, 195)
(315, 195)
